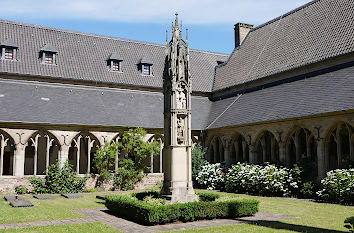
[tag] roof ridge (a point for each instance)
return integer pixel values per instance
(100, 36)
(285, 14)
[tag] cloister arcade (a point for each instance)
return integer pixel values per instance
(325, 145)
(26, 152)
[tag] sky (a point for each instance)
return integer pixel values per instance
(210, 22)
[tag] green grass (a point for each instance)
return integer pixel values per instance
(309, 217)
(68, 228)
(59, 208)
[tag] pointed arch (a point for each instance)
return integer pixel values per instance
(81, 152)
(216, 150)
(7, 151)
(339, 146)
(239, 151)
(267, 147)
(42, 150)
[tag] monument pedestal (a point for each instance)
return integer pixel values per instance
(177, 185)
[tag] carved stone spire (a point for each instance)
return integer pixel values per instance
(177, 120)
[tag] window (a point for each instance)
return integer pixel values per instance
(9, 54)
(48, 54)
(146, 69)
(48, 58)
(8, 50)
(115, 66)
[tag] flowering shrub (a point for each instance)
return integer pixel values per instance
(211, 176)
(20, 189)
(338, 186)
(266, 180)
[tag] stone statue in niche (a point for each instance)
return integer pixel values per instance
(180, 99)
(180, 130)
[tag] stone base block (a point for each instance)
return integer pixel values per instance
(21, 203)
(72, 195)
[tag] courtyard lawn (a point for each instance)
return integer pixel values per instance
(58, 208)
(77, 228)
(309, 216)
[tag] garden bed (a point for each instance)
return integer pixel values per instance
(146, 208)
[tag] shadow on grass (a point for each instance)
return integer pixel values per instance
(289, 226)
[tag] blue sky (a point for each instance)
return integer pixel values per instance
(210, 22)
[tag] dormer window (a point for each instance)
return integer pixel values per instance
(145, 66)
(115, 62)
(48, 54)
(115, 66)
(49, 58)
(146, 69)
(9, 54)
(8, 50)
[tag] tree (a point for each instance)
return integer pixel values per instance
(198, 160)
(134, 151)
(104, 160)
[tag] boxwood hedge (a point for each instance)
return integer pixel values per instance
(141, 212)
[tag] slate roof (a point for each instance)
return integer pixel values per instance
(9, 43)
(316, 31)
(48, 48)
(115, 56)
(37, 102)
(330, 92)
(83, 56)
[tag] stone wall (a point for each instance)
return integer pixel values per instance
(7, 184)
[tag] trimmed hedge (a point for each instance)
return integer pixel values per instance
(141, 212)
(208, 196)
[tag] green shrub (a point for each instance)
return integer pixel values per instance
(150, 214)
(208, 196)
(140, 196)
(38, 185)
(20, 189)
(134, 151)
(198, 160)
(338, 187)
(59, 180)
(349, 224)
(104, 161)
(307, 190)
(90, 190)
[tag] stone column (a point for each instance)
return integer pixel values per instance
(215, 150)
(49, 144)
(244, 147)
(35, 144)
(282, 153)
(252, 154)
(77, 145)
(90, 144)
(19, 160)
(151, 163)
(272, 149)
(339, 147)
(297, 145)
(237, 151)
(264, 149)
(64, 154)
(161, 158)
(321, 159)
(2, 149)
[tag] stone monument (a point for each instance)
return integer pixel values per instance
(177, 88)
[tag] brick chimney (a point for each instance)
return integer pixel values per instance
(241, 31)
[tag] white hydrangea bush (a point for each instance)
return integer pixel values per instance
(338, 186)
(211, 176)
(267, 180)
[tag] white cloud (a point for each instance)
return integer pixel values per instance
(152, 11)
